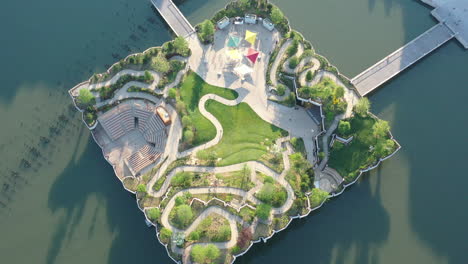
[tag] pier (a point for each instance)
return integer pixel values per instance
(173, 17)
(453, 17)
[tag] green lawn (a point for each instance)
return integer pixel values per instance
(246, 136)
(192, 89)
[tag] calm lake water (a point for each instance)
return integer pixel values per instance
(68, 207)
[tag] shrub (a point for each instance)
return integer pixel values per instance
(281, 89)
(182, 179)
(141, 188)
(293, 61)
(244, 238)
(309, 76)
(172, 93)
(154, 214)
(292, 49)
(194, 236)
(160, 64)
(380, 128)
(186, 121)
(206, 254)
(344, 127)
(263, 211)
(188, 136)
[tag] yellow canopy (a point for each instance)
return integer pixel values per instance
(250, 37)
(234, 54)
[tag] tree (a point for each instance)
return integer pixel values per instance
(181, 46)
(317, 196)
(148, 77)
(362, 107)
(380, 128)
(384, 147)
(281, 89)
(244, 237)
(186, 121)
(184, 214)
(309, 76)
(153, 214)
(293, 61)
(165, 235)
(263, 211)
(338, 92)
(172, 93)
(206, 30)
(206, 254)
(85, 98)
(188, 136)
(266, 193)
(292, 49)
(160, 63)
(276, 15)
(344, 127)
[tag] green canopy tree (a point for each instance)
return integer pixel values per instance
(181, 46)
(85, 98)
(380, 128)
(362, 107)
(184, 214)
(344, 127)
(160, 64)
(206, 254)
(263, 211)
(206, 31)
(277, 15)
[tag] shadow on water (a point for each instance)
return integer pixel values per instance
(437, 186)
(91, 176)
(330, 232)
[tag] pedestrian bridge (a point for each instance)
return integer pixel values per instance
(402, 58)
(173, 17)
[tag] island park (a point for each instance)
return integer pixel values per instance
(231, 130)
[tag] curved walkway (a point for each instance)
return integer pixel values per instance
(274, 67)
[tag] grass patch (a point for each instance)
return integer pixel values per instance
(246, 136)
(192, 89)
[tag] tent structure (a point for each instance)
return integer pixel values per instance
(243, 70)
(234, 54)
(252, 55)
(250, 37)
(233, 41)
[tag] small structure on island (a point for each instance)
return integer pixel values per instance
(250, 37)
(223, 23)
(250, 19)
(268, 24)
(252, 55)
(234, 55)
(243, 70)
(233, 41)
(164, 115)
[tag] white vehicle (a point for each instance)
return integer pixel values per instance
(238, 21)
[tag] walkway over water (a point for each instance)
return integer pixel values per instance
(401, 59)
(173, 17)
(453, 17)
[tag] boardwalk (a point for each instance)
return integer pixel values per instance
(402, 58)
(173, 17)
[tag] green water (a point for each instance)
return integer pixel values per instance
(69, 207)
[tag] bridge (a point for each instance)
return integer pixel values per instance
(401, 59)
(453, 17)
(173, 17)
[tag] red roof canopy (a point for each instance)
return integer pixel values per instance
(252, 55)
